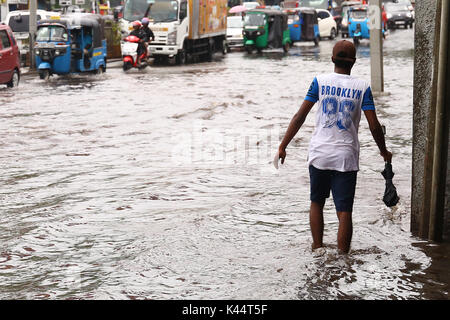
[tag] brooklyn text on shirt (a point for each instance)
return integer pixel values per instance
(342, 92)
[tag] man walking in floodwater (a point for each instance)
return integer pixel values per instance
(333, 158)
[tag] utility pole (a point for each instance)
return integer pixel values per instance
(33, 28)
(376, 46)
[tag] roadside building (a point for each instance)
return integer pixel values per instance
(10, 5)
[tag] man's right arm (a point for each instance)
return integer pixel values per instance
(297, 121)
(295, 124)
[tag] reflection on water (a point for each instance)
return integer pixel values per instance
(159, 184)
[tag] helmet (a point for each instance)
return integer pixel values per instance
(136, 24)
(145, 21)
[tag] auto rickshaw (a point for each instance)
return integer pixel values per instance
(266, 28)
(344, 12)
(72, 43)
(358, 23)
(303, 24)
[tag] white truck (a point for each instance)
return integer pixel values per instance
(183, 29)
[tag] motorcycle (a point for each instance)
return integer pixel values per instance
(129, 47)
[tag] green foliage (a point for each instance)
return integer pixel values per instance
(114, 26)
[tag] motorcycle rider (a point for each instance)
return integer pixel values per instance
(148, 32)
(140, 33)
(150, 36)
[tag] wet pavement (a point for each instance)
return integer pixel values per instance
(159, 184)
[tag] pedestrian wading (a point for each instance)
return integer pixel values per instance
(333, 157)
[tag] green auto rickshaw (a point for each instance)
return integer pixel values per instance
(266, 28)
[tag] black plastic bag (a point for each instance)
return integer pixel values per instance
(390, 197)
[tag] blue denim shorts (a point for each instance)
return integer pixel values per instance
(341, 184)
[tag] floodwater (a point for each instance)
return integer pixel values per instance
(159, 184)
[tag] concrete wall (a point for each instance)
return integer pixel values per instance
(424, 64)
(427, 34)
(447, 197)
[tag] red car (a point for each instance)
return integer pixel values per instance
(9, 58)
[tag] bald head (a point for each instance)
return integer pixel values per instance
(344, 54)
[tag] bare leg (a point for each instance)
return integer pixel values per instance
(316, 223)
(345, 231)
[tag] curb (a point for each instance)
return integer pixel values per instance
(29, 70)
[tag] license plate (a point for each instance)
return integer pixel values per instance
(399, 22)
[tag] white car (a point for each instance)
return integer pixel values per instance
(19, 22)
(327, 24)
(235, 25)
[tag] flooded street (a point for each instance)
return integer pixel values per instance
(159, 184)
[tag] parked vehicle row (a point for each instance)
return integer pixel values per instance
(266, 28)
(63, 45)
(75, 43)
(303, 24)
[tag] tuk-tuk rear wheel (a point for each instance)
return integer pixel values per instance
(249, 49)
(44, 74)
(286, 47)
(100, 70)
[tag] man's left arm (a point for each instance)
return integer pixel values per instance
(368, 106)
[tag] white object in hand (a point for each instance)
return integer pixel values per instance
(276, 160)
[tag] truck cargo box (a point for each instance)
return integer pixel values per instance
(208, 18)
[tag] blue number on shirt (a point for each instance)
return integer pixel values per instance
(345, 117)
(329, 109)
(341, 117)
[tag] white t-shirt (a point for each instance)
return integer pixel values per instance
(334, 144)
